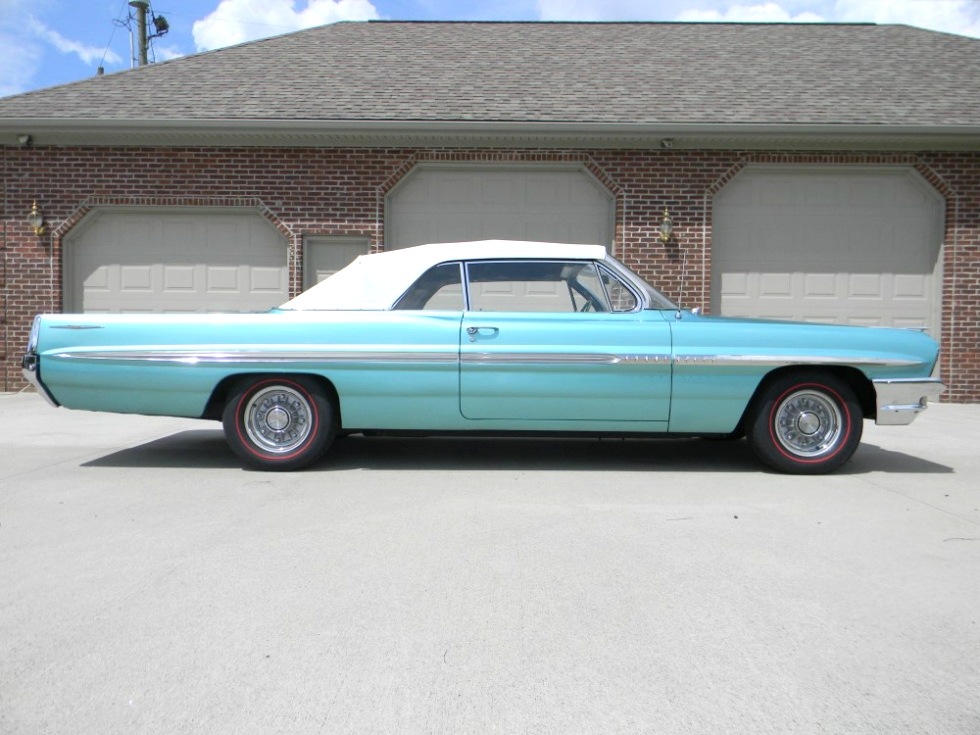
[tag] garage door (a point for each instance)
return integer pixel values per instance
(828, 245)
(139, 261)
(325, 255)
(453, 204)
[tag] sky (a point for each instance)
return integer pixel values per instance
(44, 43)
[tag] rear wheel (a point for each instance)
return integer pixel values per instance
(806, 423)
(279, 423)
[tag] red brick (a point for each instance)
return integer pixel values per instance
(341, 191)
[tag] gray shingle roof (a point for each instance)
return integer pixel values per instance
(592, 73)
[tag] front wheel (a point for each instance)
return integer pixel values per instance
(279, 423)
(806, 423)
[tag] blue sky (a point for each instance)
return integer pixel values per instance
(49, 42)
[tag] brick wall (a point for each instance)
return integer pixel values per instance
(341, 192)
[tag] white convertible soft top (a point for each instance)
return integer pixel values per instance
(374, 282)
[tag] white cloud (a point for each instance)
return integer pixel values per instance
(684, 10)
(236, 21)
(763, 13)
(88, 54)
(166, 53)
(950, 16)
(608, 9)
(18, 63)
(19, 54)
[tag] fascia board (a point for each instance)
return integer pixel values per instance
(318, 133)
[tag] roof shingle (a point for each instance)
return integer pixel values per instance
(616, 73)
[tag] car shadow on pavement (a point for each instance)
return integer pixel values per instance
(194, 448)
(206, 448)
(872, 458)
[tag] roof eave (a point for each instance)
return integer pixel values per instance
(370, 133)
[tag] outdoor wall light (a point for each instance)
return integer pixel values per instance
(666, 227)
(36, 219)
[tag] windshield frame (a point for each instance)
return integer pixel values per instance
(651, 298)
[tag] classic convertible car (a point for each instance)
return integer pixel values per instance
(490, 337)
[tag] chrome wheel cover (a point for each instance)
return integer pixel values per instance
(808, 424)
(278, 419)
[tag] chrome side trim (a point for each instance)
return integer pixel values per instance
(194, 357)
(784, 360)
(560, 358)
(251, 357)
(680, 360)
(191, 357)
(900, 400)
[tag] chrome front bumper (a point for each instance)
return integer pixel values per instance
(900, 400)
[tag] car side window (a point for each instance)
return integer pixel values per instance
(438, 289)
(621, 299)
(535, 286)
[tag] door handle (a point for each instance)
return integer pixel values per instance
(473, 331)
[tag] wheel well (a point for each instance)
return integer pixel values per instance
(223, 390)
(858, 382)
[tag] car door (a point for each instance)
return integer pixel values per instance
(544, 341)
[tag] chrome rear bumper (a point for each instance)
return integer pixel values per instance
(900, 400)
(28, 366)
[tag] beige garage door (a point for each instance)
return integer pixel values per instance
(325, 255)
(454, 204)
(848, 246)
(145, 261)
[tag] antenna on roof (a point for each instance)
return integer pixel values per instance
(142, 42)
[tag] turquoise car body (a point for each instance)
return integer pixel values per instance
(646, 370)
(657, 371)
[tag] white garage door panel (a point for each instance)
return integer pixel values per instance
(132, 262)
(442, 204)
(178, 278)
(848, 247)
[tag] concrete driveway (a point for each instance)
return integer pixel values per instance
(148, 584)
